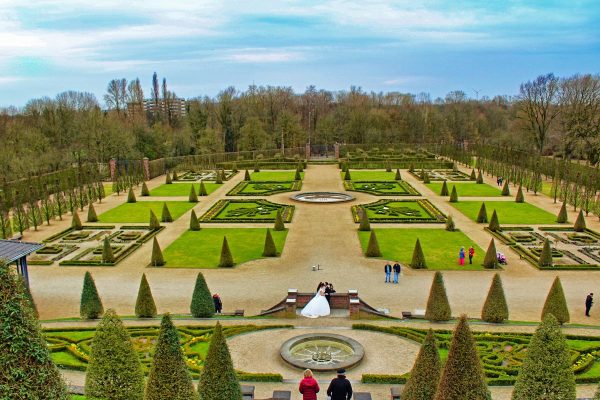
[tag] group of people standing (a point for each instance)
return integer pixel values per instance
(339, 388)
(461, 255)
(388, 268)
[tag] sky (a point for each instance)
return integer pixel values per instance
(484, 48)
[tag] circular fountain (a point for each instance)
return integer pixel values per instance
(322, 352)
(322, 197)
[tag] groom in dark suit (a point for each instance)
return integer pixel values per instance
(328, 291)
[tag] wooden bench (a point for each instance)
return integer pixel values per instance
(236, 313)
(282, 395)
(247, 392)
(395, 391)
(362, 396)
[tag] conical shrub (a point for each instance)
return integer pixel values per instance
(426, 178)
(347, 176)
(157, 256)
(226, 257)
(479, 177)
(373, 246)
(256, 167)
(28, 371)
(562, 214)
(579, 223)
(166, 214)
(450, 226)
(494, 225)
(202, 190)
(269, 250)
(145, 191)
(234, 167)
(388, 167)
(91, 216)
(506, 189)
(398, 177)
(193, 197)
(473, 176)
(154, 224)
(131, 196)
(482, 215)
(444, 191)
(462, 377)
(194, 223)
(547, 371)
(202, 305)
(279, 226)
(168, 179)
(438, 307)
(365, 224)
(247, 176)
(300, 167)
(219, 177)
(453, 195)
(145, 307)
(297, 176)
(556, 304)
(545, 259)
(218, 380)
(169, 377)
(418, 258)
(114, 370)
(495, 309)
(425, 374)
(76, 222)
(490, 261)
(90, 306)
(520, 197)
(107, 253)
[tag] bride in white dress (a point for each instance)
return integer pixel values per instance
(318, 306)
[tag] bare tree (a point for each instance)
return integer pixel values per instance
(116, 95)
(155, 96)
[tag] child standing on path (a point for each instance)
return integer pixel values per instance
(461, 256)
(471, 254)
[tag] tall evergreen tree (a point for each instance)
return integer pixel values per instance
(107, 253)
(157, 259)
(226, 260)
(76, 222)
(580, 222)
(494, 225)
(490, 260)
(373, 246)
(145, 307)
(131, 196)
(438, 307)
(169, 377)
(91, 216)
(444, 191)
(556, 304)
(193, 197)
(28, 371)
(114, 370)
(495, 309)
(546, 255)
(194, 223)
(462, 377)
(418, 258)
(546, 373)
(279, 226)
(425, 373)
(166, 214)
(482, 215)
(562, 214)
(145, 191)
(218, 380)
(90, 305)
(269, 250)
(154, 224)
(202, 305)
(454, 195)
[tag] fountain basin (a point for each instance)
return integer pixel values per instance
(322, 197)
(322, 352)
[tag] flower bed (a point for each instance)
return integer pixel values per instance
(440, 174)
(196, 176)
(382, 188)
(400, 211)
(247, 211)
(246, 188)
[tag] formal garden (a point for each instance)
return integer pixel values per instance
(399, 211)
(509, 212)
(236, 211)
(264, 188)
(382, 188)
(140, 210)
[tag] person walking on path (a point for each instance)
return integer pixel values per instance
(461, 256)
(218, 303)
(309, 387)
(340, 387)
(388, 272)
(589, 300)
(471, 254)
(397, 270)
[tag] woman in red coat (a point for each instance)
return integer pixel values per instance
(309, 386)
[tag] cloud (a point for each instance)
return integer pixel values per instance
(263, 55)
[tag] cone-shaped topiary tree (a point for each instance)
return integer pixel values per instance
(365, 224)
(202, 305)
(562, 214)
(426, 178)
(175, 177)
(545, 259)
(131, 196)
(398, 177)
(373, 246)
(546, 372)
(506, 189)
(218, 380)
(482, 215)
(450, 226)
(344, 167)
(194, 223)
(166, 214)
(246, 175)
(91, 216)
(76, 222)
(462, 377)
(193, 197)
(490, 261)
(145, 191)
(520, 197)
(157, 259)
(256, 167)
(473, 177)
(479, 177)
(580, 222)
(168, 179)
(418, 258)
(494, 225)
(154, 224)
(114, 370)
(107, 253)
(444, 191)
(347, 176)
(91, 305)
(279, 226)
(169, 377)
(556, 304)
(234, 167)
(28, 371)
(145, 307)
(300, 166)
(425, 373)
(269, 250)
(453, 195)
(388, 167)
(297, 176)
(219, 177)
(495, 309)
(226, 260)
(438, 307)
(202, 191)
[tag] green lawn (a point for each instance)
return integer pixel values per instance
(274, 175)
(182, 189)
(361, 175)
(78, 397)
(439, 246)
(140, 211)
(202, 249)
(467, 189)
(509, 212)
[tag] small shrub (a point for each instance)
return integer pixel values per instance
(297, 176)
(256, 168)
(418, 258)
(107, 253)
(76, 222)
(347, 176)
(373, 246)
(154, 224)
(175, 177)
(450, 226)
(226, 257)
(438, 307)
(388, 167)
(473, 177)
(145, 307)
(426, 178)
(556, 304)
(247, 175)
(562, 214)
(579, 223)
(166, 214)
(91, 216)
(131, 196)
(365, 224)
(192, 198)
(520, 197)
(157, 256)
(454, 195)
(398, 177)
(546, 255)
(202, 190)
(506, 189)
(168, 180)
(482, 215)
(269, 249)
(194, 223)
(479, 177)
(145, 191)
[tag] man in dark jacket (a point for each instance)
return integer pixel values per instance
(388, 272)
(589, 300)
(340, 387)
